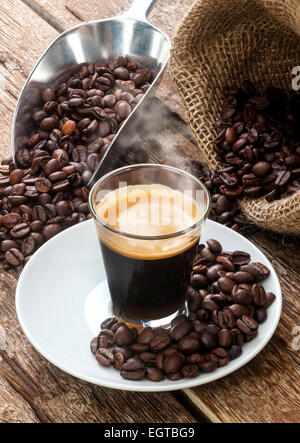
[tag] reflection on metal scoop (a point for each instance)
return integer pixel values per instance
(129, 35)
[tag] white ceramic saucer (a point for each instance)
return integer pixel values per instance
(62, 297)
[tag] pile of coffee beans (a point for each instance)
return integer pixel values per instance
(224, 208)
(44, 191)
(226, 304)
(259, 143)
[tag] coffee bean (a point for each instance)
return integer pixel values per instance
(246, 324)
(260, 315)
(28, 246)
(50, 230)
(224, 338)
(154, 374)
(225, 284)
(220, 357)
(14, 257)
(16, 176)
(270, 298)
(43, 185)
(259, 295)
(190, 371)
(104, 356)
(261, 169)
(19, 231)
(207, 341)
(173, 362)
(133, 369)
(239, 309)
(214, 246)
(108, 323)
(234, 352)
(94, 345)
(188, 345)
(10, 220)
(159, 342)
(123, 336)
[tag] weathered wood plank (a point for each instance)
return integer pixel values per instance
(13, 408)
(166, 15)
(23, 38)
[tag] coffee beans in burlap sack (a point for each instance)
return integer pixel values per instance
(221, 43)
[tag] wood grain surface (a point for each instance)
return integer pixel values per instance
(33, 390)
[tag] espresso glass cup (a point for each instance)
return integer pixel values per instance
(148, 254)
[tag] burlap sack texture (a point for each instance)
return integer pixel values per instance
(223, 42)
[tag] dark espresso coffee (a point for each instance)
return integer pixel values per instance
(148, 277)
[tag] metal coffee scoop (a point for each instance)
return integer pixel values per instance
(98, 41)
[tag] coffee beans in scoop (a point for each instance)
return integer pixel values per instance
(226, 304)
(44, 191)
(259, 143)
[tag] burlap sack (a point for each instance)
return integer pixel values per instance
(223, 42)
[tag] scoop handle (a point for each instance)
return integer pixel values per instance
(140, 9)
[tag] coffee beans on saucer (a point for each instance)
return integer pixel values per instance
(44, 191)
(226, 304)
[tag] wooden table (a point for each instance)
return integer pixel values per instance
(31, 389)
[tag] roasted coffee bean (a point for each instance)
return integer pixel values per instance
(14, 257)
(123, 336)
(234, 352)
(220, 357)
(178, 331)
(16, 176)
(11, 220)
(94, 345)
(225, 338)
(198, 281)
(208, 366)
(226, 285)
(224, 319)
(242, 277)
(207, 340)
(246, 324)
(145, 336)
(239, 309)
(226, 263)
(148, 358)
(188, 345)
(109, 335)
(190, 371)
(138, 348)
(173, 362)
(133, 369)
(19, 231)
(159, 342)
(241, 294)
(214, 246)
(104, 356)
(8, 244)
(258, 270)
(194, 299)
(258, 295)
(154, 374)
(28, 246)
(270, 298)
(260, 315)
(50, 230)
(240, 258)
